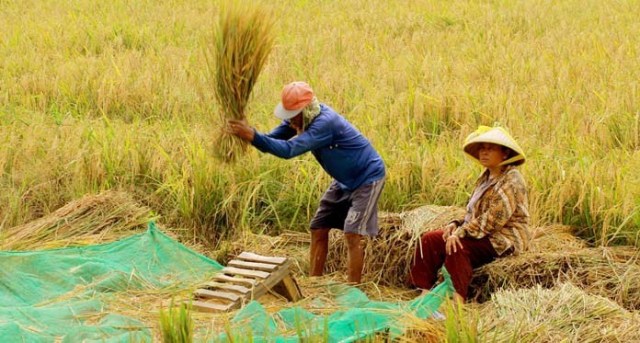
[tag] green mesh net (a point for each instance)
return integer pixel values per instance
(61, 295)
(359, 318)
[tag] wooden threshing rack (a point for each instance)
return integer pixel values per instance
(245, 278)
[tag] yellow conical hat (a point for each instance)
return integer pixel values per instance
(495, 135)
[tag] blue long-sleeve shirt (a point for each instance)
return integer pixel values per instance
(339, 147)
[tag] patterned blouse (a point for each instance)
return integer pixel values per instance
(500, 212)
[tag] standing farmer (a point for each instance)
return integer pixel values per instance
(351, 201)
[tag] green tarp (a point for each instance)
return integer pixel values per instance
(63, 294)
(358, 318)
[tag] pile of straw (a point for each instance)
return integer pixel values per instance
(613, 272)
(89, 220)
(399, 233)
(565, 313)
(388, 256)
(557, 256)
(243, 41)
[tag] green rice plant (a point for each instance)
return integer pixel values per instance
(176, 324)
(461, 324)
(242, 44)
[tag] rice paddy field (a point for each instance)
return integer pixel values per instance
(119, 96)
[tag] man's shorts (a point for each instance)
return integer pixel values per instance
(352, 212)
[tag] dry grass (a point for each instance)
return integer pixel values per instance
(557, 256)
(90, 220)
(612, 273)
(565, 313)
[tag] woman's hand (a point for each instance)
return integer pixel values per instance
(452, 245)
(448, 230)
(241, 129)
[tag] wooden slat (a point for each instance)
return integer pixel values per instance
(205, 293)
(219, 285)
(252, 265)
(248, 256)
(245, 272)
(202, 306)
(277, 276)
(226, 278)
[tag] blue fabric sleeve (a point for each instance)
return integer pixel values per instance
(283, 131)
(318, 135)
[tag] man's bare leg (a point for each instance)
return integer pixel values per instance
(318, 251)
(355, 257)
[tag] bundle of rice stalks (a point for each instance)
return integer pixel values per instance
(613, 273)
(89, 220)
(565, 313)
(388, 256)
(243, 41)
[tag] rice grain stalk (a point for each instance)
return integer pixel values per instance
(243, 40)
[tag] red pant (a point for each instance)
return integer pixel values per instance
(460, 265)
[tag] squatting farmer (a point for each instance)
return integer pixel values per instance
(351, 201)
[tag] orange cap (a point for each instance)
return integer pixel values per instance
(295, 96)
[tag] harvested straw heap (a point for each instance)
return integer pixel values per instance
(90, 220)
(242, 43)
(564, 313)
(558, 257)
(388, 256)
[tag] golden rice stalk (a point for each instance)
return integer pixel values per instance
(89, 220)
(243, 40)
